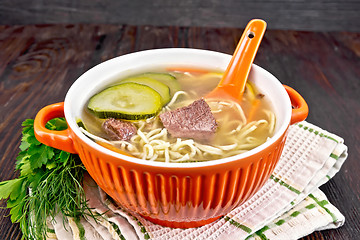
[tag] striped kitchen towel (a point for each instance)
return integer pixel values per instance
(289, 205)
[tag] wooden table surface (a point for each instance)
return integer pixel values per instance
(38, 64)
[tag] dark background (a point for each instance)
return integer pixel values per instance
(313, 15)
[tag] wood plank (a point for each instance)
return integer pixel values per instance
(317, 15)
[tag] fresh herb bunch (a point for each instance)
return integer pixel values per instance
(49, 183)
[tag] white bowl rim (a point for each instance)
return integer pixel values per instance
(71, 120)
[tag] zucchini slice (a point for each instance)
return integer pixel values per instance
(80, 124)
(166, 79)
(161, 88)
(131, 101)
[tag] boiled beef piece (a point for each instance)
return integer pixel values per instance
(118, 129)
(193, 121)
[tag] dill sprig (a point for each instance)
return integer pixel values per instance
(49, 183)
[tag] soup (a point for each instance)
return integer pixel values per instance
(234, 128)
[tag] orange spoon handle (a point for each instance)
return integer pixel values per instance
(237, 72)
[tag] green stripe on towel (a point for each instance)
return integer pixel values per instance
(142, 228)
(315, 132)
(237, 224)
(295, 214)
(282, 183)
(117, 230)
(310, 206)
(322, 205)
(280, 222)
(261, 234)
(334, 156)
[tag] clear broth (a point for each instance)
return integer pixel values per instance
(234, 128)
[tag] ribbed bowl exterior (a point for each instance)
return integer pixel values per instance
(180, 197)
(173, 195)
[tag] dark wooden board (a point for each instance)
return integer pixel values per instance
(38, 64)
(315, 15)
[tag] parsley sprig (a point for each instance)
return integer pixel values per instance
(49, 183)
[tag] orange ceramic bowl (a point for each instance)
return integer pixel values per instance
(171, 194)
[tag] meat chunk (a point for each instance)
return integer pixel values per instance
(118, 129)
(193, 121)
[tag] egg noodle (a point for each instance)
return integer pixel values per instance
(153, 143)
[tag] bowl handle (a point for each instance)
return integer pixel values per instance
(300, 108)
(56, 139)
